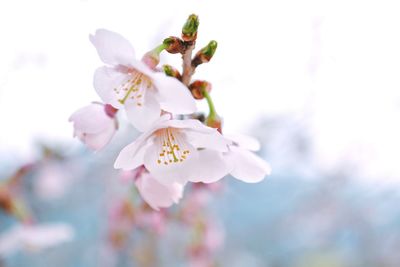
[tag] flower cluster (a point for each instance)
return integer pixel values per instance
(174, 148)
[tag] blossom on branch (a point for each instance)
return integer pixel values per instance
(171, 150)
(95, 124)
(129, 83)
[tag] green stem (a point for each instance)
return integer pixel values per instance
(160, 48)
(213, 112)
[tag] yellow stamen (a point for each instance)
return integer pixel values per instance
(171, 147)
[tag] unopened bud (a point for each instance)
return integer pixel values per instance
(171, 71)
(189, 30)
(205, 54)
(214, 122)
(197, 87)
(174, 45)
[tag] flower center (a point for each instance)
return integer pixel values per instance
(173, 147)
(133, 88)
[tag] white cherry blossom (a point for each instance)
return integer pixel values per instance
(172, 151)
(129, 83)
(95, 124)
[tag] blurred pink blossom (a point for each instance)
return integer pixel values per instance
(52, 181)
(34, 238)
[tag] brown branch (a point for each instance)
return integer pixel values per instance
(187, 68)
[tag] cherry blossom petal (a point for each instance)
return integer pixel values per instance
(91, 118)
(113, 49)
(170, 172)
(244, 141)
(132, 156)
(161, 122)
(247, 166)
(142, 67)
(99, 140)
(158, 195)
(213, 140)
(191, 124)
(104, 82)
(210, 166)
(174, 97)
(143, 116)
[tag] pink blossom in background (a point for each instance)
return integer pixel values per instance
(153, 221)
(52, 181)
(121, 222)
(198, 198)
(34, 238)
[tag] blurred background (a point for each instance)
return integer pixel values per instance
(315, 81)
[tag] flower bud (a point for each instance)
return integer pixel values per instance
(174, 45)
(205, 54)
(189, 30)
(197, 87)
(171, 71)
(214, 122)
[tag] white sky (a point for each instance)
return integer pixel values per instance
(339, 60)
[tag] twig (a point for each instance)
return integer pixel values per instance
(188, 69)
